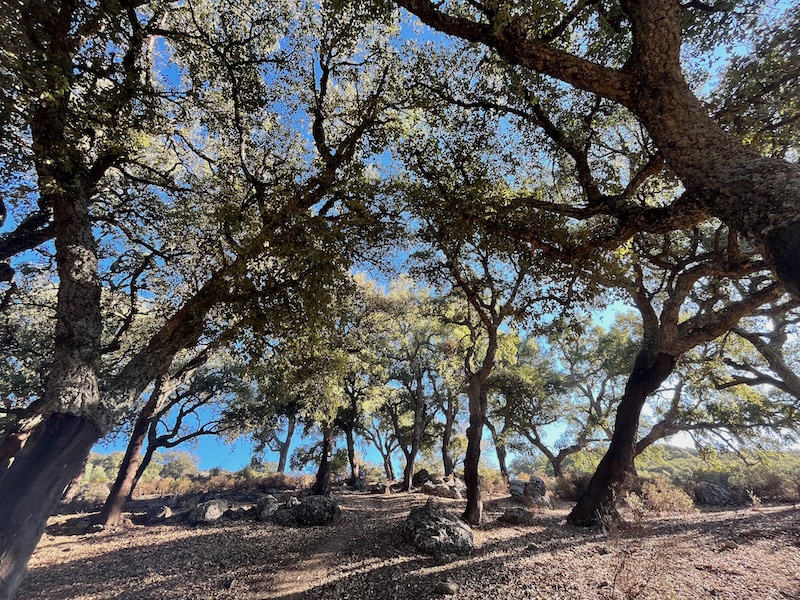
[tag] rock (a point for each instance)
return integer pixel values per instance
(530, 493)
(126, 522)
(292, 502)
(437, 479)
(379, 488)
(163, 513)
(208, 512)
(420, 477)
(433, 530)
(240, 512)
(442, 490)
(706, 492)
(518, 516)
(535, 487)
(313, 510)
(267, 507)
(446, 588)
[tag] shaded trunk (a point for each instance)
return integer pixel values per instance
(322, 485)
(351, 457)
(33, 486)
(283, 450)
(152, 446)
(388, 467)
(447, 436)
(408, 470)
(500, 448)
(111, 513)
(474, 510)
(473, 513)
(617, 464)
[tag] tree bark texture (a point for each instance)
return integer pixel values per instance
(500, 448)
(33, 486)
(351, 457)
(647, 375)
(283, 451)
(111, 513)
(447, 436)
(473, 513)
(322, 484)
(759, 196)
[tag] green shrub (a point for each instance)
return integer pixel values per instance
(661, 496)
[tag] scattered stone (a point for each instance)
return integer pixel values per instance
(379, 488)
(312, 511)
(442, 490)
(126, 522)
(448, 587)
(729, 545)
(706, 492)
(420, 477)
(530, 493)
(267, 507)
(433, 530)
(535, 486)
(239, 512)
(208, 512)
(518, 516)
(165, 512)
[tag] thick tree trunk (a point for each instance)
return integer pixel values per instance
(111, 513)
(648, 374)
(283, 451)
(33, 486)
(322, 485)
(351, 457)
(477, 394)
(408, 470)
(758, 196)
(474, 510)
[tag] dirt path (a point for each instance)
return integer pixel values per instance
(732, 554)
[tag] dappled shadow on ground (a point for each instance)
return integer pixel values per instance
(709, 554)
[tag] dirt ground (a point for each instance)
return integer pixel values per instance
(737, 554)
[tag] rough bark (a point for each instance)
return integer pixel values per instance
(322, 484)
(473, 513)
(447, 436)
(32, 487)
(111, 513)
(500, 448)
(283, 450)
(648, 374)
(355, 471)
(758, 196)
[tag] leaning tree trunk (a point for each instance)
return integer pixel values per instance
(32, 487)
(322, 485)
(283, 451)
(648, 374)
(500, 448)
(111, 513)
(473, 513)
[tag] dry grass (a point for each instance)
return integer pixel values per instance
(742, 554)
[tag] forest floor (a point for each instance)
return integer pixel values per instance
(745, 553)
